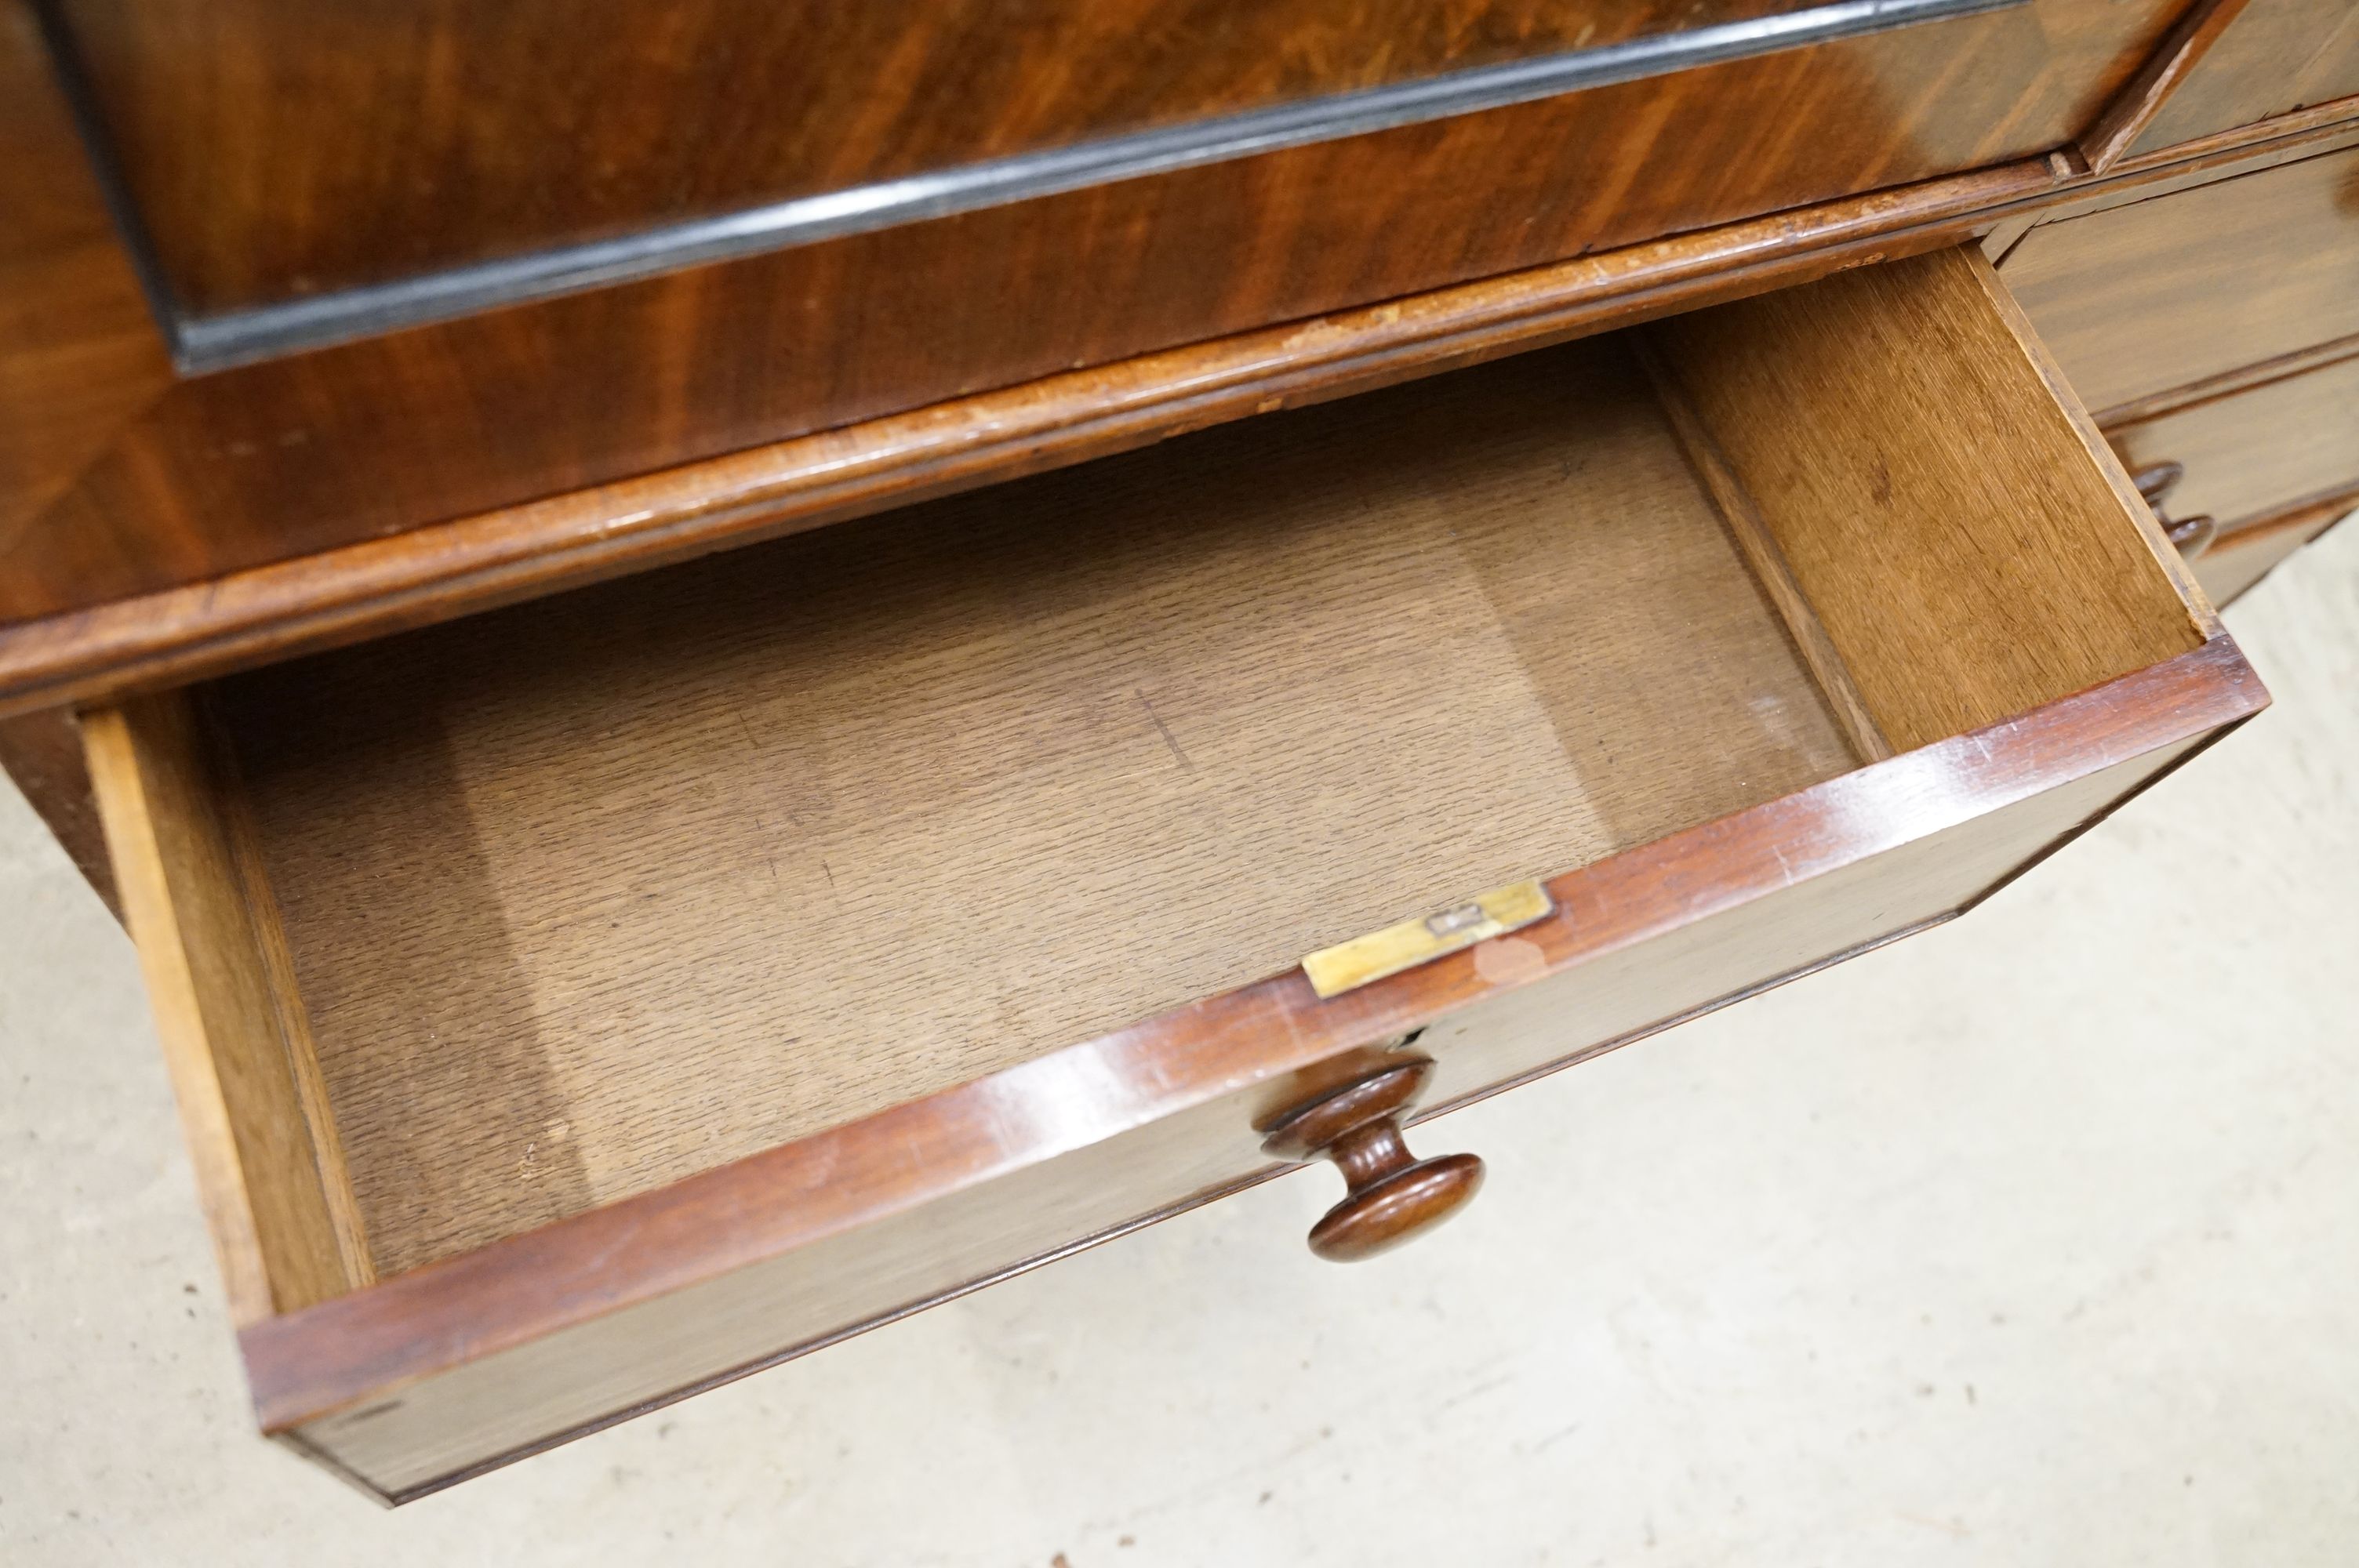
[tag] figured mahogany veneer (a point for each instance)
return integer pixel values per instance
(237, 126)
(305, 520)
(577, 1006)
(343, 447)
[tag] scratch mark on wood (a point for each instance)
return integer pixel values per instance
(1165, 730)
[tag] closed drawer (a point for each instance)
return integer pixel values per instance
(705, 228)
(2158, 294)
(2256, 451)
(416, 162)
(579, 1005)
(2241, 558)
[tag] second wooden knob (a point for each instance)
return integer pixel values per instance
(1392, 1195)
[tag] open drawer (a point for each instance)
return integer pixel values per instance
(585, 1003)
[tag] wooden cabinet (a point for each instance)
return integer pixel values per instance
(2213, 323)
(1291, 567)
(579, 1004)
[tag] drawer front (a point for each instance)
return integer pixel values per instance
(2243, 558)
(498, 136)
(2274, 56)
(2256, 451)
(2158, 295)
(422, 1383)
(495, 143)
(582, 1005)
(337, 447)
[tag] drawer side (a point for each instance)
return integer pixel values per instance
(1969, 543)
(268, 1172)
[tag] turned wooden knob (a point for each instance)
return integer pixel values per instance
(1392, 1196)
(2192, 535)
(2156, 481)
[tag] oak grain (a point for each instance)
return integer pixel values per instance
(267, 1188)
(861, 815)
(1966, 541)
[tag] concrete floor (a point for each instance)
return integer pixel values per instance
(2030, 1240)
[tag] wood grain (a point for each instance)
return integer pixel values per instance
(327, 1168)
(1390, 1195)
(1057, 733)
(2260, 451)
(2249, 149)
(404, 579)
(2138, 299)
(2225, 385)
(263, 1182)
(79, 356)
(231, 471)
(2143, 176)
(1767, 562)
(276, 148)
(2276, 57)
(437, 1374)
(1965, 566)
(384, 582)
(968, 694)
(407, 577)
(843, 822)
(2127, 118)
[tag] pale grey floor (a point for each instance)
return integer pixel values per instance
(2031, 1241)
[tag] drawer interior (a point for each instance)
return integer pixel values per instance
(554, 905)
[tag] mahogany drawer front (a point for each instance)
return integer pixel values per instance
(2158, 294)
(2259, 450)
(577, 1005)
(2272, 57)
(395, 154)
